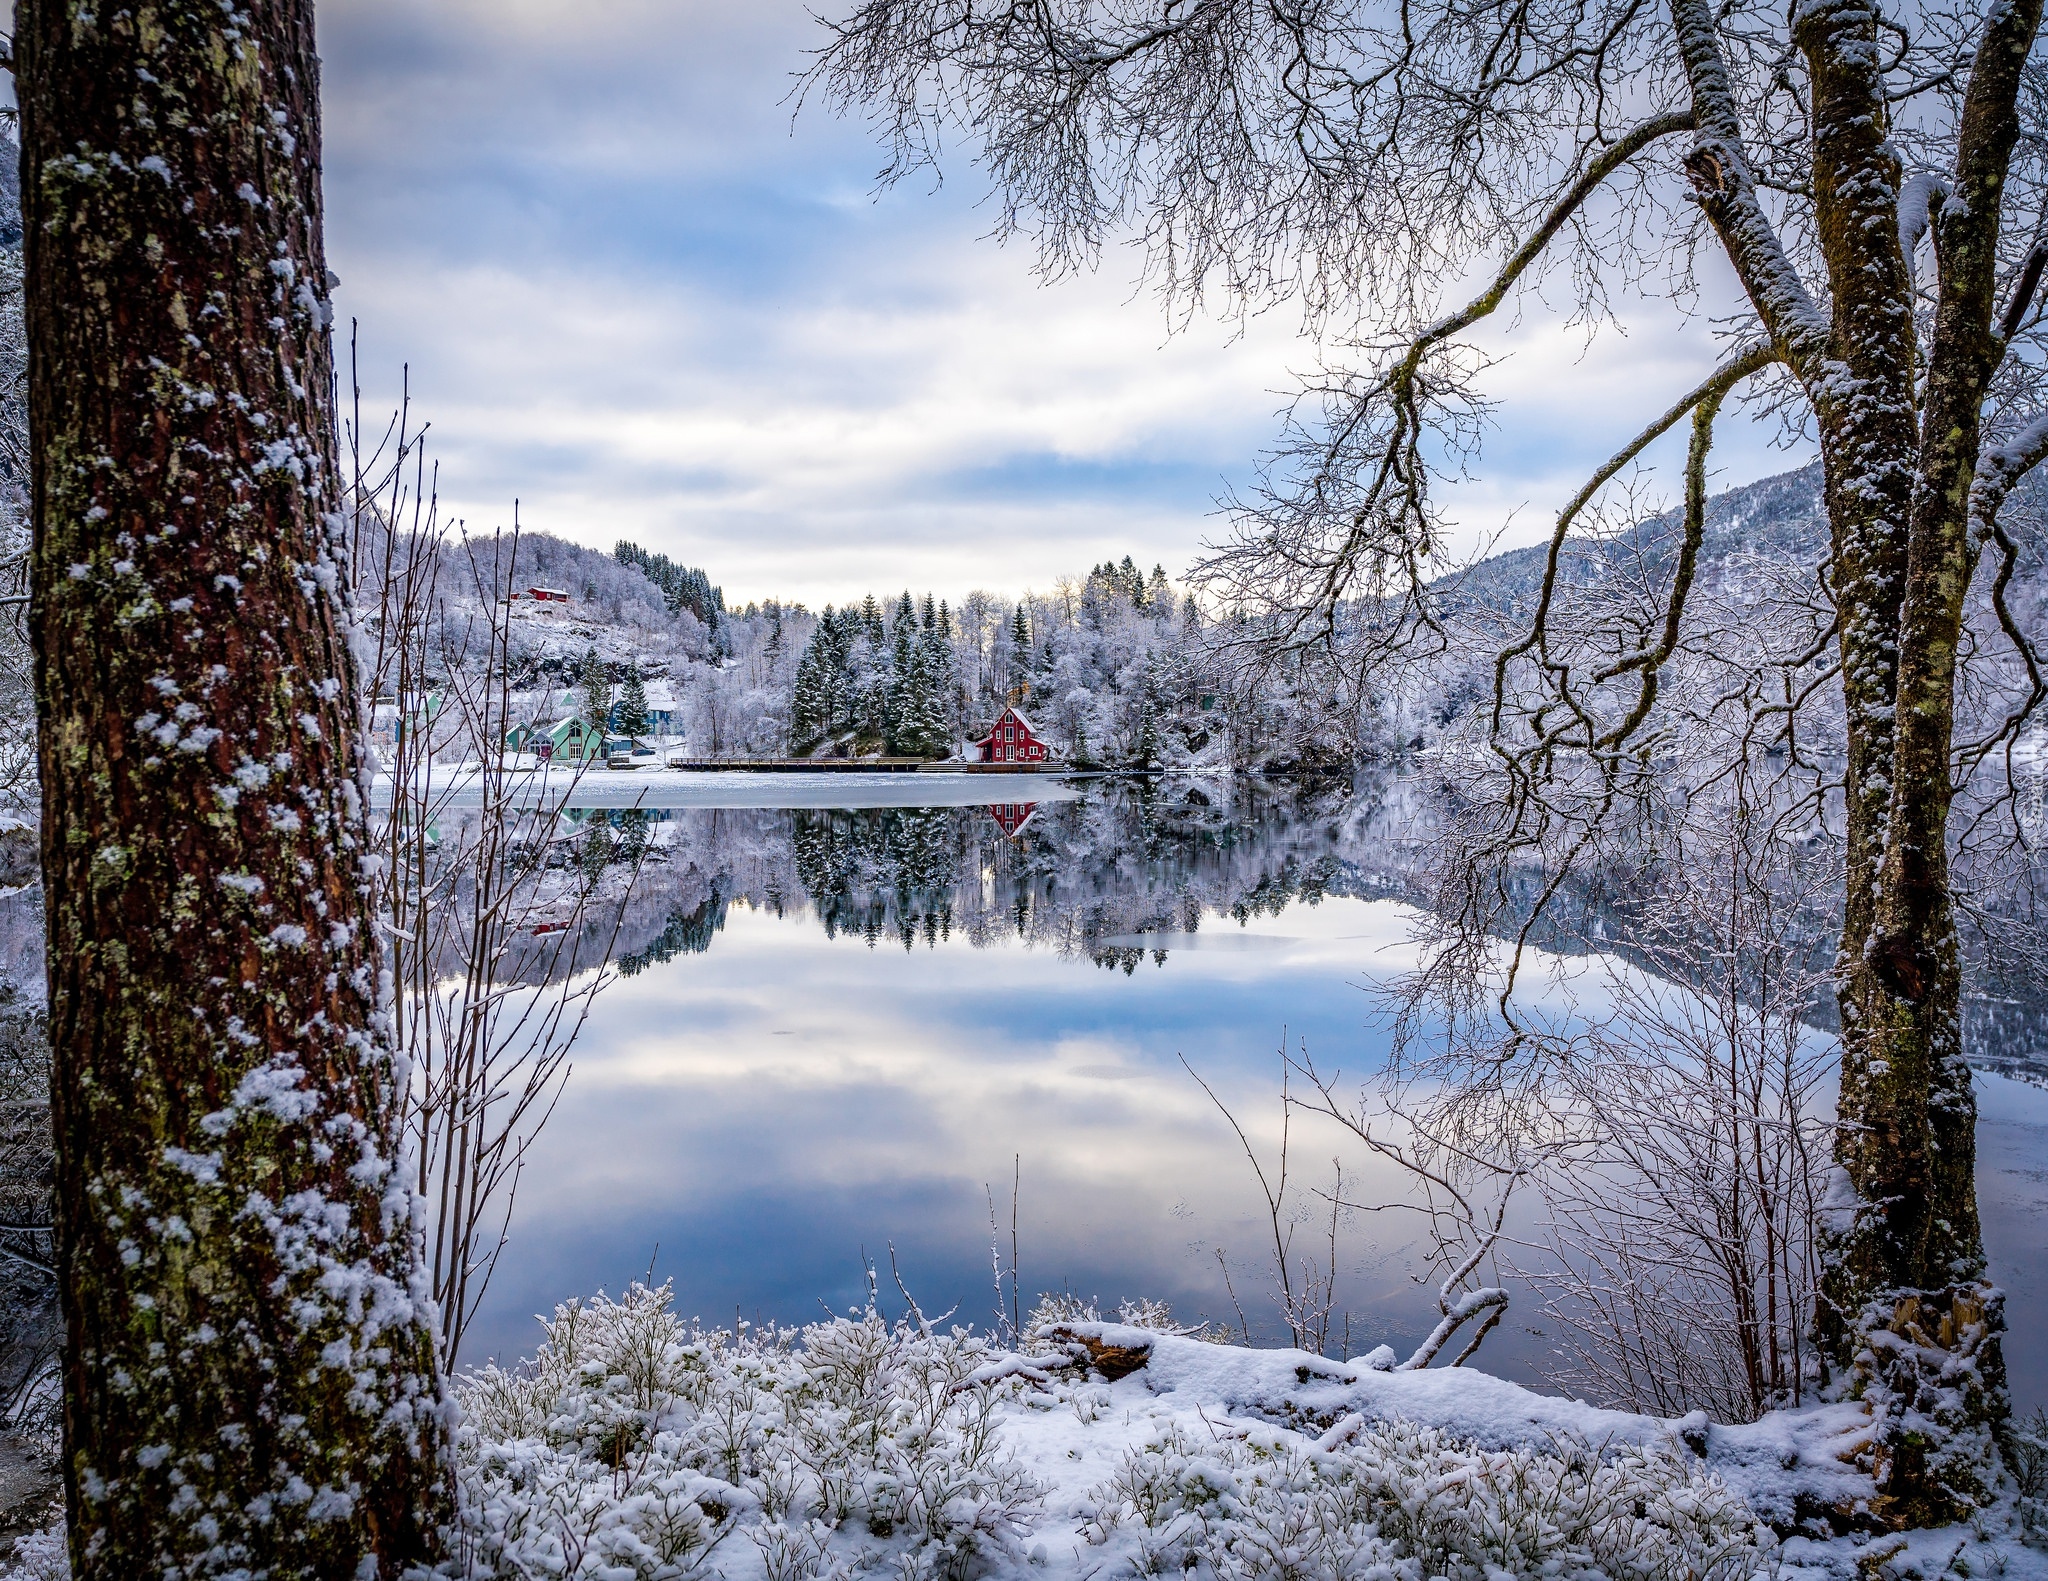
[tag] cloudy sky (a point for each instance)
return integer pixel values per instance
(641, 296)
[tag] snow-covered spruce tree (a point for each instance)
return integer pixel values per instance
(902, 670)
(249, 1375)
(922, 730)
(1874, 178)
(595, 677)
(1020, 649)
(629, 713)
(810, 707)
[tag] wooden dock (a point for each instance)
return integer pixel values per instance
(854, 766)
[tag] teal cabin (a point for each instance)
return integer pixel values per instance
(571, 739)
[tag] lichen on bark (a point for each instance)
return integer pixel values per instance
(250, 1385)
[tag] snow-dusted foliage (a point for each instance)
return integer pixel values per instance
(639, 1446)
(1400, 1500)
(636, 1444)
(41, 1556)
(683, 586)
(2026, 1457)
(1112, 669)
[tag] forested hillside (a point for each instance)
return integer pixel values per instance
(1122, 666)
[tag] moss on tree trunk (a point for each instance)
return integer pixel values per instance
(250, 1385)
(1907, 1314)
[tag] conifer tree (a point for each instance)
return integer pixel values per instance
(630, 712)
(810, 711)
(835, 657)
(938, 684)
(921, 727)
(902, 673)
(596, 679)
(682, 587)
(874, 706)
(1146, 754)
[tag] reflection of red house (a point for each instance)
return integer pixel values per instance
(1012, 740)
(1013, 816)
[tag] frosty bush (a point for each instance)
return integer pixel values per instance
(41, 1556)
(635, 1444)
(1058, 1308)
(2026, 1457)
(1402, 1501)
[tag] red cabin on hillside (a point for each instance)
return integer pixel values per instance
(1012, 739)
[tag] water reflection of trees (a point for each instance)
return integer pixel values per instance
(1117, 876)
(1079, 878)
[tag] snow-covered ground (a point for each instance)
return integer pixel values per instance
(639, 1446)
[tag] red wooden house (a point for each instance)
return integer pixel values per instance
(1012, 739)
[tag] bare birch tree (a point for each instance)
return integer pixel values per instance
(1874, 178)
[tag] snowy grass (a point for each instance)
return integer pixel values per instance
(637, 1446)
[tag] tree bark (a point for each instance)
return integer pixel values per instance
(1906, 1318)
(249, 1374)
(1911, 1320)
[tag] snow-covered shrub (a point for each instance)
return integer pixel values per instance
(635, 1444)
(41, 1556)
(2026, 1457)
(1400, 1500)
(1059, 1307)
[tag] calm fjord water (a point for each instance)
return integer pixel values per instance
(840, 1035)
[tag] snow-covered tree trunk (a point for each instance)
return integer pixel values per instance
(250, 1382)
(1907, 1315)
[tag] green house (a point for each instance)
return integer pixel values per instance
(392, 721)
(570, 739)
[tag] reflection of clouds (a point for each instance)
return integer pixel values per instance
(765, 1111)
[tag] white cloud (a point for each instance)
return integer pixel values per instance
(640, 299)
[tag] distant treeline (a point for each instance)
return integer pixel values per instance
(684, 586)
(895, 682)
